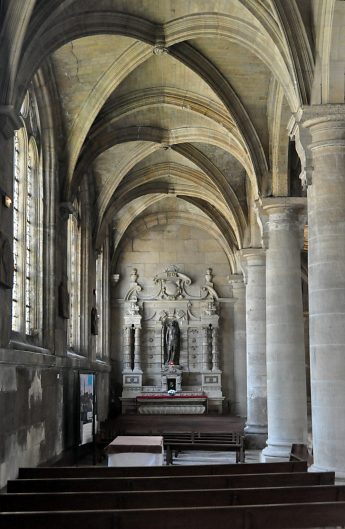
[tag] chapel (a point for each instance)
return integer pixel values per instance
(172, 220)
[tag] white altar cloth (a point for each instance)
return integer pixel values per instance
(135, 450)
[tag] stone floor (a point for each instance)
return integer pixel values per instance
(190, 457)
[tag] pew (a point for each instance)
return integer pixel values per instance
(300, 452)
(94, 471)
(281, 516)
(226, 442)
(253, 496)
(49, 501)
(171, 482)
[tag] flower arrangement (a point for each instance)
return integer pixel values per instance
(171, 392)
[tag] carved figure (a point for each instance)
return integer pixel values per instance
(6, 262)
(94, 321)
(63, 298)
(172, 342)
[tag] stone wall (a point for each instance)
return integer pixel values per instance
(38, 397)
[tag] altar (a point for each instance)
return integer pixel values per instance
(171, 360)
(178, 404)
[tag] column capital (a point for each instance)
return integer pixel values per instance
(310, 115)
(288, 206)
(326, 124)
(316, 127)
(253, 256)
(237, 283)
(250, 257)
(283, 213)
(9, 120)
(236, 280)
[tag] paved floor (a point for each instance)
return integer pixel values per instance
(191, 457)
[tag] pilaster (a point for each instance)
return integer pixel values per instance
(240, 360)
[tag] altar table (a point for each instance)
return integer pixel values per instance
(135, 450)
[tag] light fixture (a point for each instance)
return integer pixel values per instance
(6, 199)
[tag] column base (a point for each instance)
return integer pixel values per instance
(255, 441)
(256, 428)
(278, 449)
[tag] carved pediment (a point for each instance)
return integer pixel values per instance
(172, 284)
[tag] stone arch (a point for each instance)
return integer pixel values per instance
(211, 24)
(148, 185)
(150, 135)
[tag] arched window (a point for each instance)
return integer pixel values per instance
(27, 224)
(74, 276)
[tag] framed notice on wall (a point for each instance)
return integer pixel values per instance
(87, 411)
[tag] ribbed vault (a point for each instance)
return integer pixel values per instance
(185, 98)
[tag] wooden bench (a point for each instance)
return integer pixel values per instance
(300, 452)
(228, 442)
(170, 482)
(94, 471)
(175, 499)
(281, 516)
(49, 501)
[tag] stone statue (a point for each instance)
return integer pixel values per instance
(94, 316)
(63, 298)
(94, 321)
(6, 262)
(172, 342)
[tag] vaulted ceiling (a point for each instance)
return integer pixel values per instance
(178, 98)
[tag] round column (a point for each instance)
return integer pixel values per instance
(256, 341)
(240, 360)
(285, 354)
(326, 220)
(137, 350)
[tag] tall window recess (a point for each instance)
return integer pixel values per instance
(27, 225)
(102, 302)
(74, 277)
(99, 304)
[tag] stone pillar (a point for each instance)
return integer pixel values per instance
(240, 360)
(137, 350)
(254, 263)
(205, 350)
(215, 350)
(285, 355)
(326, 220)
(127, 349)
